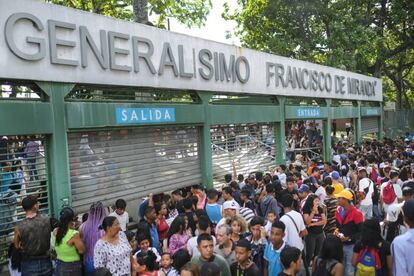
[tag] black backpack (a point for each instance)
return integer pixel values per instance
(324, 267)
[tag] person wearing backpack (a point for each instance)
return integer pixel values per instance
(390, 191)
(365, 192)
(329, 261)
(372, 254)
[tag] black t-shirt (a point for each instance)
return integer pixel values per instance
(316, 218)
(384, 250)
(283, 274)
(252, 270)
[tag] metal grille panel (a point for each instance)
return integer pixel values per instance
(22, 173)
(369, 125)
(130, 163)
(251, 147)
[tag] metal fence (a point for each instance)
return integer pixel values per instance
(398, 122)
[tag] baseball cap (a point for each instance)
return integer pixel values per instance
(304, 188)
(362, 169)
(335, 175)
(345, 194)
(230, 205)
(252, 176)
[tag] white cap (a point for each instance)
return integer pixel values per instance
(231, 204)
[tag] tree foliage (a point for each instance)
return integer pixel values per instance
(188, 12)
(366, 36)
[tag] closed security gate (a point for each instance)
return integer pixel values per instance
(22, 173)
(250, 147)
(369, 125)
(130, 163)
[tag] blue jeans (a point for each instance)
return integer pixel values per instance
(349, 269)
(68, 269)
(41, 267)
(376, 212)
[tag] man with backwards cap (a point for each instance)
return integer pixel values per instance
(349, 225)
(244, 266)
(230, 209)
(402, 246)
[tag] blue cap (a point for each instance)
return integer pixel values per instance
(304, 188)
(335, 175)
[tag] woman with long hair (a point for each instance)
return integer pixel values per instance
(68, 245)
(329, 261)
(372, 246)
(90, 233)
(162, 225)
(113, 251)
(238, 228)
(315, 220)
(177, 235)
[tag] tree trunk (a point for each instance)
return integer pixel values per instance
(140, 11)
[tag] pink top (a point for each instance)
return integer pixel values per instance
(177, 242)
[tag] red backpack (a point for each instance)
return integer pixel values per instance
(388, 193)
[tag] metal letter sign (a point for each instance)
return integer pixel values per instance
(144, 115)
(45, 42)
(313, 112)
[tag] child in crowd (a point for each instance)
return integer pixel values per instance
(166, 265)
(144, 246)
(271, 218)
(273, 249)
(120, 214)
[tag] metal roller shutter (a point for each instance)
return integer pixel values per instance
(22, 173)
(130, 163)
(369, 125)
(250, 146)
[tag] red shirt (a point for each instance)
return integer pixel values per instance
(162, 229)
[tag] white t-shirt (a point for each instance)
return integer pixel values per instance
(282, 179)
(291, 233)
(123, 220)
(192, 246)
(154, 250)
(363, 184)
(321, 193)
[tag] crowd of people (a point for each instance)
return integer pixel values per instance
(351, 216)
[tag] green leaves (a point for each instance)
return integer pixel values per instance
(188, 12)
(369, 37)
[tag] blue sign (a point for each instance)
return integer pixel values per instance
(372, 111)
(144, 115)
(308, 112)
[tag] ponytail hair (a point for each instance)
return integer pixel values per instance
(66, 216)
